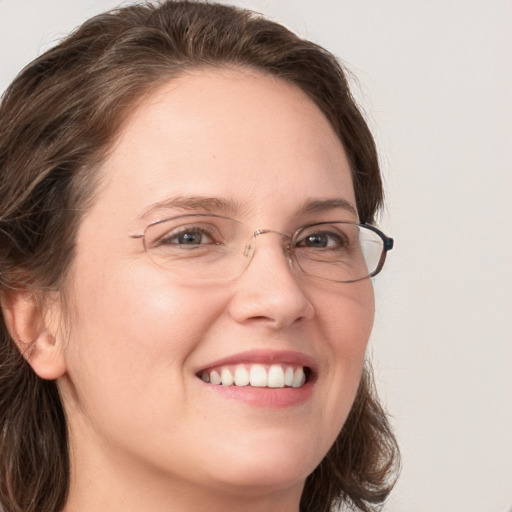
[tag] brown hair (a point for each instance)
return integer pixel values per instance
(57, 121)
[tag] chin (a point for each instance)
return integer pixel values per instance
(253, 479)
(271, 462)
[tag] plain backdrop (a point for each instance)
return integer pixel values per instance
(435, 80)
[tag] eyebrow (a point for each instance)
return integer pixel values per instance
(232, 207)
(324, 205)
(193, 203)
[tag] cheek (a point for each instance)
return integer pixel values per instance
(133, 333)
(347, 316)
(346, 319)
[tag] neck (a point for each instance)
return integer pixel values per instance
(102, 495)
(110, 484)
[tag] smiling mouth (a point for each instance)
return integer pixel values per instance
(273, 376)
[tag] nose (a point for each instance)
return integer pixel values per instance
(269, 291)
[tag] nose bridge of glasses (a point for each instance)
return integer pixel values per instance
(285, 243)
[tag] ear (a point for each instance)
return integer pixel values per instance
(38, 342)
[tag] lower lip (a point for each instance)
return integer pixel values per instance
(269, 398)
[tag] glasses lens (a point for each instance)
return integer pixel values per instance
(338, 251)
(197, 248)
(210, 249)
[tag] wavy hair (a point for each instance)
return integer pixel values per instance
(58, 120)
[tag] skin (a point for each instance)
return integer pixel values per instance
(146, 433)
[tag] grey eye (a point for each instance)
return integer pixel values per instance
(322, 240)
(187, 236)
(190, 238)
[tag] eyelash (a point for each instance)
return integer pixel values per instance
(168, 238)
(338, 239)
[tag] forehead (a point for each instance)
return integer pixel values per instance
(231, 133)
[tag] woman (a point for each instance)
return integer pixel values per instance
(186, 304)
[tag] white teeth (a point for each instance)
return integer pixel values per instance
(288, 376)
(215, 378)
(241, 376)
(276, 376)
(298, 378)
(227, 378)
(257, 375)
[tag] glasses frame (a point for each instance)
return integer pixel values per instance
(387, 242)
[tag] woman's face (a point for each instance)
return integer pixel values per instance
(228, 142)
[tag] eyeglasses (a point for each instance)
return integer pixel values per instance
(205, 249)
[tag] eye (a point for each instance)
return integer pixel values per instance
(323, 240)
(191, 236)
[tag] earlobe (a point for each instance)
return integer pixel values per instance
(25, 320)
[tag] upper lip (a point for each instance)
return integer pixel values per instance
(264, 357)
